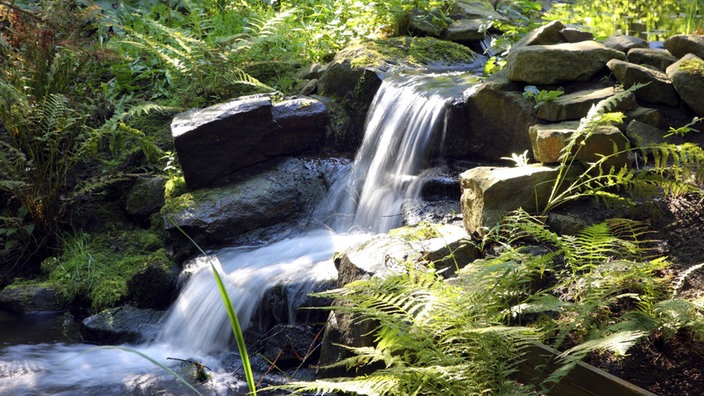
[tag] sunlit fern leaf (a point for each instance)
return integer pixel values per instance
(362, 385)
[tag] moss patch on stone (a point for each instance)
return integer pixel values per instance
(411, 52)
(693, 66)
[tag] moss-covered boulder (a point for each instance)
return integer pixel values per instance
(687, 75)
(353, 77)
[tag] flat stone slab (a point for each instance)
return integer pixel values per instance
(489, 193)
(549, 140)
(575, 105)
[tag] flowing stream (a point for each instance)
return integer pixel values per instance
(404, 129)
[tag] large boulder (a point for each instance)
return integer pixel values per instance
(489, 193)
(687, 75)
(498, 118)
(550, 64)
(215, 142)
(31, 298)
(680, 45)
(279, 194)
(659, 89)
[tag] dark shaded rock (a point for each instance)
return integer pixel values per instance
(687, 75)
(658, 58)
(146, 196)
(289, 345)
(643, 135)
(549, 64)
(153, 286)
(647, 115)
(283, 193)
(624, 43)
(680, 45)
(292, 303)
(215, 142)
(497, 122)
(31, 298)
(121, 325)
(465, 31)
(659, 89)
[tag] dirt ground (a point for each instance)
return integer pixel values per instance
(673, 366)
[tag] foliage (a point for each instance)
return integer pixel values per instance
(684, 129)
(56, 119)
(667, 168)
(96, 268)
(651, 20)
(520, 17)
(540, 96)
(432, 337)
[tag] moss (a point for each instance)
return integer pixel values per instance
(693, 66)
(95, 268)
(408, 52)
(420, 232)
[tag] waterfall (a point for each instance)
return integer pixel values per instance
(402, 124)
(404, 129)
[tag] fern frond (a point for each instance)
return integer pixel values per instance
(374, 385)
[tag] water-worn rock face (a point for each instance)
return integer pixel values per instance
(215, 142)
(30, 298)
(121, 325)
(659, 89)
(280, 193)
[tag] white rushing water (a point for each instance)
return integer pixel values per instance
(403, 128)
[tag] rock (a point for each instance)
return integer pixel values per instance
(497, 122)
(291, 303)
(550, 33)
(549, 64)
(465, 31)
(680, 45)
(121, 325)
(31, 298)
(624, 43)
(262, 198)
(146, 196)
(217, 141)
(565, 224)
(474, 9)
(644, 135)
(380, 256)
(575, 105)
(154, 285)
(659, 89)
(572, 35)
(489, 193)
(549, 141)
(658, 58)
(647, 115)
(687, 75)
(288, 345)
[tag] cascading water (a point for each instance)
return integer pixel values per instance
(404, 125)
